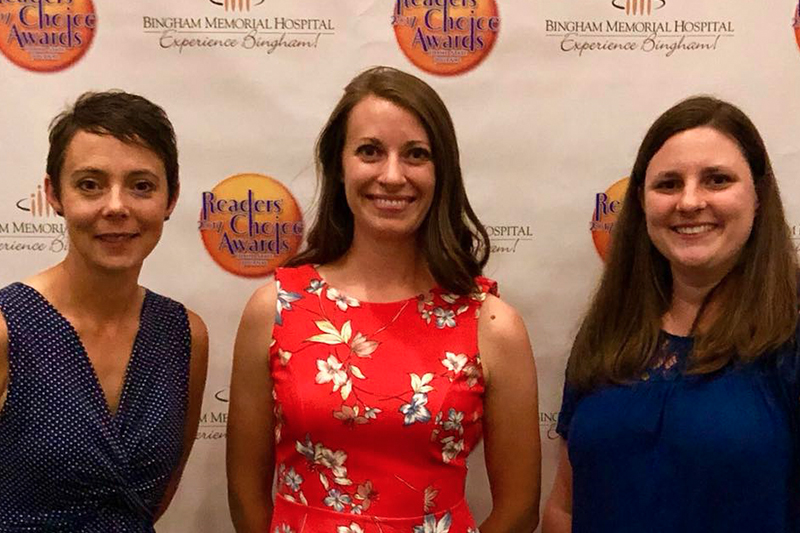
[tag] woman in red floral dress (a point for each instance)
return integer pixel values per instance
(366, 373)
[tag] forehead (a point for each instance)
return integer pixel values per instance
(700, 147)
(378, 117)
(109, 154)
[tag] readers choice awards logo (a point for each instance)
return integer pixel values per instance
(250, 224)
(46, 35)
(446, 37)
(607, 206)
(640, 26)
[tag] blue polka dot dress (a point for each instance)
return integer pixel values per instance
(67, 464)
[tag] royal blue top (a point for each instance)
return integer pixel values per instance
(678, 453)
(67, 464)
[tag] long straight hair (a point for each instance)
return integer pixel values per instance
(453, 241)
(754, 307)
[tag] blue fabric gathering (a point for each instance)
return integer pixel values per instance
(681, 453)
(67, 463)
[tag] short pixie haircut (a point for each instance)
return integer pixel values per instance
(128, 117)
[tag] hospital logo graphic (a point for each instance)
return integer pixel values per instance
(250, 224)
(638, 28)
(447, 37)
(506, 238)
(36, 204)
(607, 206)
(45, 35)
(638, 7)
(36, 229)
(237, 5)
(236, 30)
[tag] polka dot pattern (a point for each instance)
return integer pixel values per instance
(66, 462)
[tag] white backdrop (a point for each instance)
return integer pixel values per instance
(542, 128)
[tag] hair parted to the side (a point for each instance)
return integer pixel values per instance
(754, 307)
(453, 241)
(127, 117)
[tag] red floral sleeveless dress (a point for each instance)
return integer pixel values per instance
(377, 406)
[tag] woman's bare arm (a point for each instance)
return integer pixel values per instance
(557, 516)
(250, 446)
(511, 428)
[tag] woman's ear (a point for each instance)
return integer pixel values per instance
(52, 196)
(171, 206)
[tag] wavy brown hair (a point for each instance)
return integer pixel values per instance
(453, 241)
(755, 304)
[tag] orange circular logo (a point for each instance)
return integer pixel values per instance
(796, 24)
(46, 35)
(446, 37)
(250, 224)
(607, 206)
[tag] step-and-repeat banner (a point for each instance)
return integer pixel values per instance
(550, 102)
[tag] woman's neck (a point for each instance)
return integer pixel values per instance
(689, 294)
(80, 291)
(380, 270)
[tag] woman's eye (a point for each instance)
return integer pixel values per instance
(419, 154)
(368, 151)
(143, 186)
(719, 179)
(667, 185)
(88, 185)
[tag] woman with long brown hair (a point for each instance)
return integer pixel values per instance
(681, 400)
(365, 374)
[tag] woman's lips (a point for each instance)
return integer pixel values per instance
(694, 229)
(116, 237)
(393, 203)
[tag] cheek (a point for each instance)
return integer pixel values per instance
(349, 179)
(653, 233)
(740, 209)
(155, 211)
(745, 225)
(76, 218)
(656, 209)
(349, 192)
(425, 181)
(656, 217)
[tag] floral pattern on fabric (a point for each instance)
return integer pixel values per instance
(666, 363)
(377, 406)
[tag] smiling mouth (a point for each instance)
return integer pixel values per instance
(694, 230)
(116, 237)
(390, 202)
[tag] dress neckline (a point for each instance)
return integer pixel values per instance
(84, 354)
(686, 339)
(419, 296)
